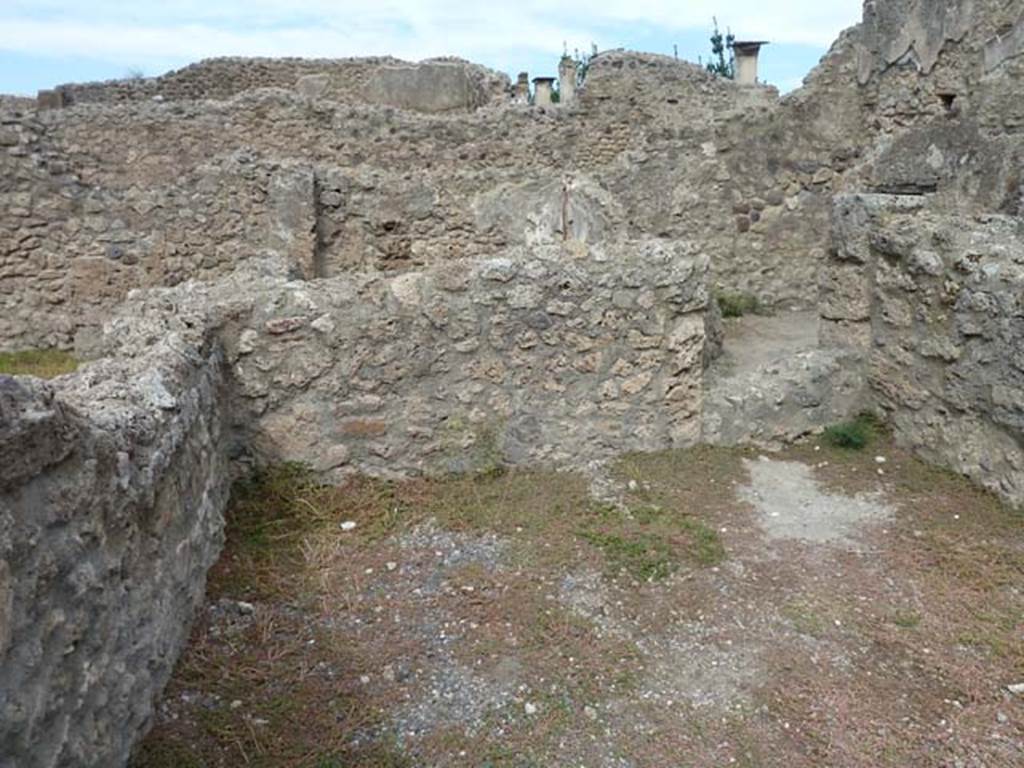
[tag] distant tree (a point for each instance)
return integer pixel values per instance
(720, 45)
(583, 61)
(134, 74)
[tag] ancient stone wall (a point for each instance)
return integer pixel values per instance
(936, 84)
(113, 483)
(729, 166)
(654, 147)
(389, 268)
(926, 282)
(556, 355)
(935, 300)
(561, 354)
(436, 85)
(71, 250)
(11, 103)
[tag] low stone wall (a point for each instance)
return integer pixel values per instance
(555, 355)
(936, 300)
(113, 483)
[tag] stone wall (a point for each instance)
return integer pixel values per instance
(12, 103)
(376, 267)
(113, 483)
(435, 85)
(557, 354)
(70, 251)
(936, 91)
(654, 148)
(926, 281)
(554, 355)
(691, 156)
(936, 301)
(909, 101)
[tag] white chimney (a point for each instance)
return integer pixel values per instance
(542, 91)
(746, 54)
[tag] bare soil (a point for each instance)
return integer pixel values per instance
(809, 608)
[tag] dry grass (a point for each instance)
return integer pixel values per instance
(859, 658)
(41, 363)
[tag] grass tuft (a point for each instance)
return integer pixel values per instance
(853, 435)
(650, 542)
(906, 619)
(644, 556)
(41, 363)
(738, 304)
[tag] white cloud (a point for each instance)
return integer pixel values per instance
(133, 33)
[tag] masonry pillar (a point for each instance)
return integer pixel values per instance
(521, 94)
(566, 81)
(542, 91)
(50, 99)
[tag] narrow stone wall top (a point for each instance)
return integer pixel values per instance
(435, 85)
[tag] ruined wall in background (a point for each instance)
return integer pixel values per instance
(654, 148)
(435, 85)
(938, 95)
(936, 301)
(733, 168)
(113, 483)
(71, 250)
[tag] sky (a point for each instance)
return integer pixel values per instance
(47, 42)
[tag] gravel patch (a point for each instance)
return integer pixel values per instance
(791, 504)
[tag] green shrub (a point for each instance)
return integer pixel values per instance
(738, 304)
(852, 435)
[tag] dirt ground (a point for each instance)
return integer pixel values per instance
(814, 607)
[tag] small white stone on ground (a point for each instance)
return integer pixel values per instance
(348, 525)
(530, 708)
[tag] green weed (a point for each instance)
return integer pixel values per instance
(42, 363)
